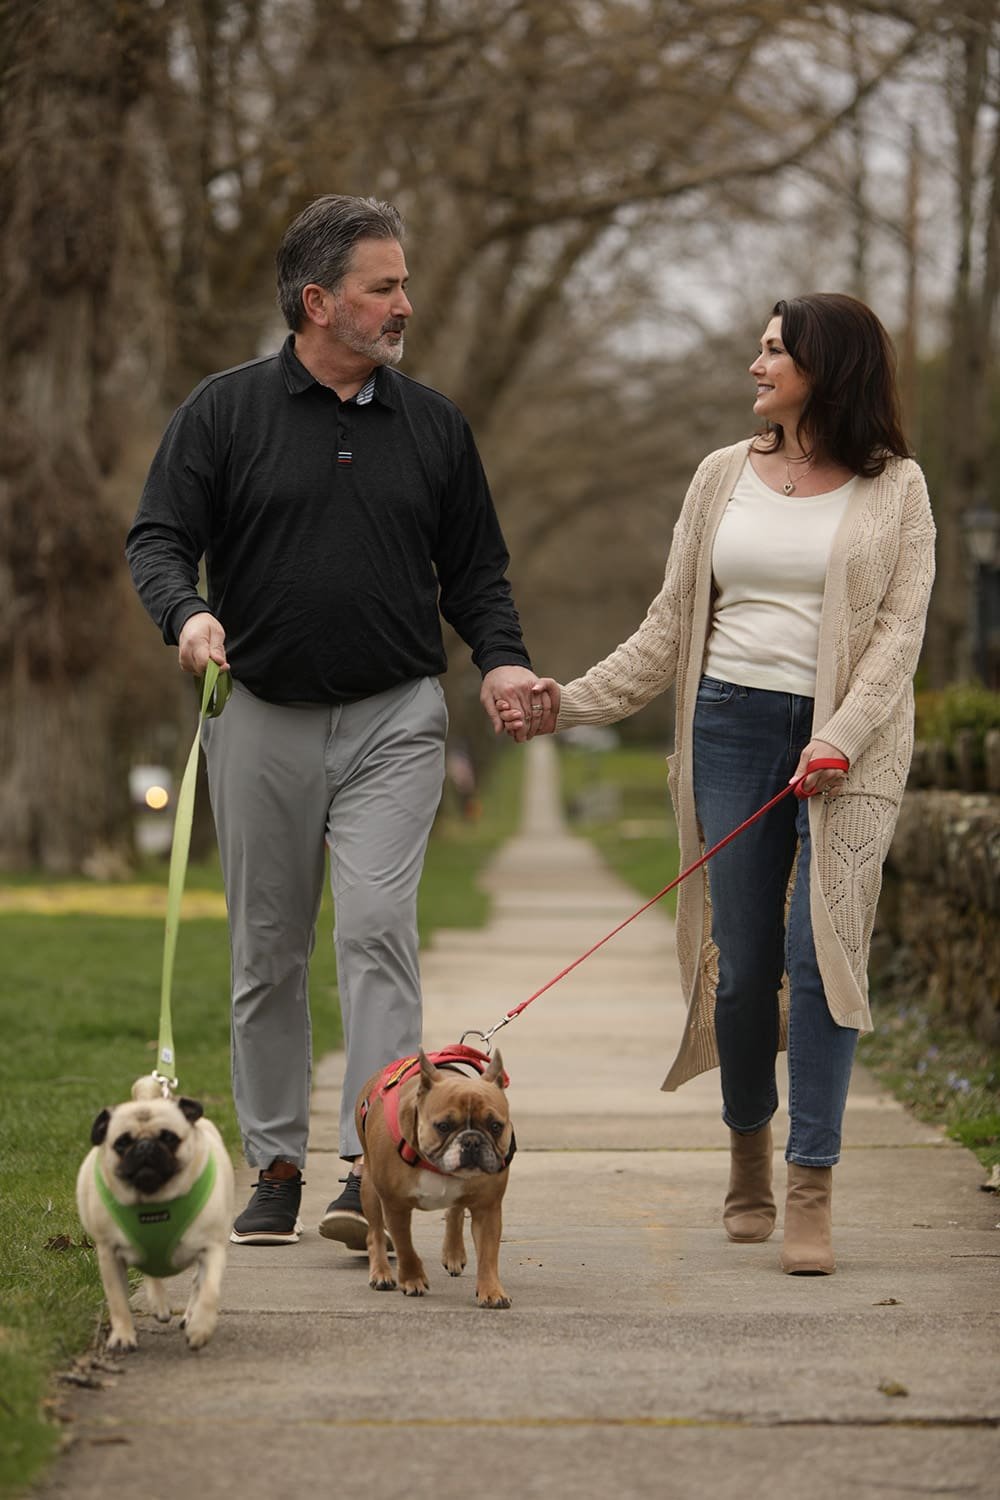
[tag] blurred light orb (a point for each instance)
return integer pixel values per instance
(157, 797)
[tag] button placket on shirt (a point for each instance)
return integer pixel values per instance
(345, 441)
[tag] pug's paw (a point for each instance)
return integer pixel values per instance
(198, 1328)
(121, 1341)
(157, 1299)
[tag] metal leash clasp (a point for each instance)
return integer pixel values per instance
(486, 1036)
(167, 1085)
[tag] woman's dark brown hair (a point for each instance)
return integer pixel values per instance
(851, 414)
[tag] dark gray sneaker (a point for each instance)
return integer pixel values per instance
(344, 1219)
(272, 1215)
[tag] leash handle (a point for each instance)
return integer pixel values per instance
(821, 763)
(216, 688)
(795, 785)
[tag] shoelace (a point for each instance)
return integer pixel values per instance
(354, 1193)
(276, 1187)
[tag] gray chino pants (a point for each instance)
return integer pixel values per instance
(285, 781)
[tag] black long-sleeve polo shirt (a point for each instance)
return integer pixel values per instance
(335, 535)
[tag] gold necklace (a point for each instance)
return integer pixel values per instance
(790, 483)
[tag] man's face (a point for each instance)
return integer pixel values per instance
(370, 307)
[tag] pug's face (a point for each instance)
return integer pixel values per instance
(146, 1143)
(463, 1124)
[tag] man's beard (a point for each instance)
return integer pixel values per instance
(380, 353)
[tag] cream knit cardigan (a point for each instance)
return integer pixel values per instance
(874, 606)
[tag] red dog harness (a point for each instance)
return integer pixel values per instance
(387, 1089)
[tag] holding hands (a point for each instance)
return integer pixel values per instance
(538, 716)
(506, 698)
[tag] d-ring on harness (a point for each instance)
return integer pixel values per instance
(795, 785)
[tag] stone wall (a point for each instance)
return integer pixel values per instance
(970, 762)
(938, 925)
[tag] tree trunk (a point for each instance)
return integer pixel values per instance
(70, 75)
(947, 652)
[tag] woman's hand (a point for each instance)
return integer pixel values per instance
(830, 783)
(546, 695)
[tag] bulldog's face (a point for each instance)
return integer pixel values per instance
(145, 1143)
(463, 1124)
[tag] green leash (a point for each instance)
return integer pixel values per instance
(214, 697)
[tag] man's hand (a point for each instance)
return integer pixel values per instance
(202, 640)
(510, 687)
(829, 783)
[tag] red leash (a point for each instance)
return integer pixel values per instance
(793, 786)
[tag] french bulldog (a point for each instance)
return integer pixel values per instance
(156, 1191)
(435, 1138)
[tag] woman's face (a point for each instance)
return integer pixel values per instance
(782, 388)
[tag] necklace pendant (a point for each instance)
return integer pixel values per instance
(788, 486)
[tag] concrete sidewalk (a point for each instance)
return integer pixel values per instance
(644, 1354)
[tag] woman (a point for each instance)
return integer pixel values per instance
(790, 622)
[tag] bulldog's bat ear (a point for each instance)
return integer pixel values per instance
(99, 1129)
(429, 1074)
(495, 1073)
(190, 1109)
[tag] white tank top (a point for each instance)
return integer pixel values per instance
(769, 564)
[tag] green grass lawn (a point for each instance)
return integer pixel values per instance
(931, 1065)
(935, 1068)
(79, 1009)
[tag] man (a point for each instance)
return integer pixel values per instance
(339, 507)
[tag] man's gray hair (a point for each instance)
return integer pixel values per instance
(318, 244)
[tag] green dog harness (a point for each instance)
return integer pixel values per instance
(155, 1229)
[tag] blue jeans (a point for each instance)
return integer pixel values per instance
(747, 742)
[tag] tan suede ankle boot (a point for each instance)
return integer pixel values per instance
(808, 1248)
(749, 1212)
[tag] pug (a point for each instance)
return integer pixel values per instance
(156, 1191)
(435, 1138)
